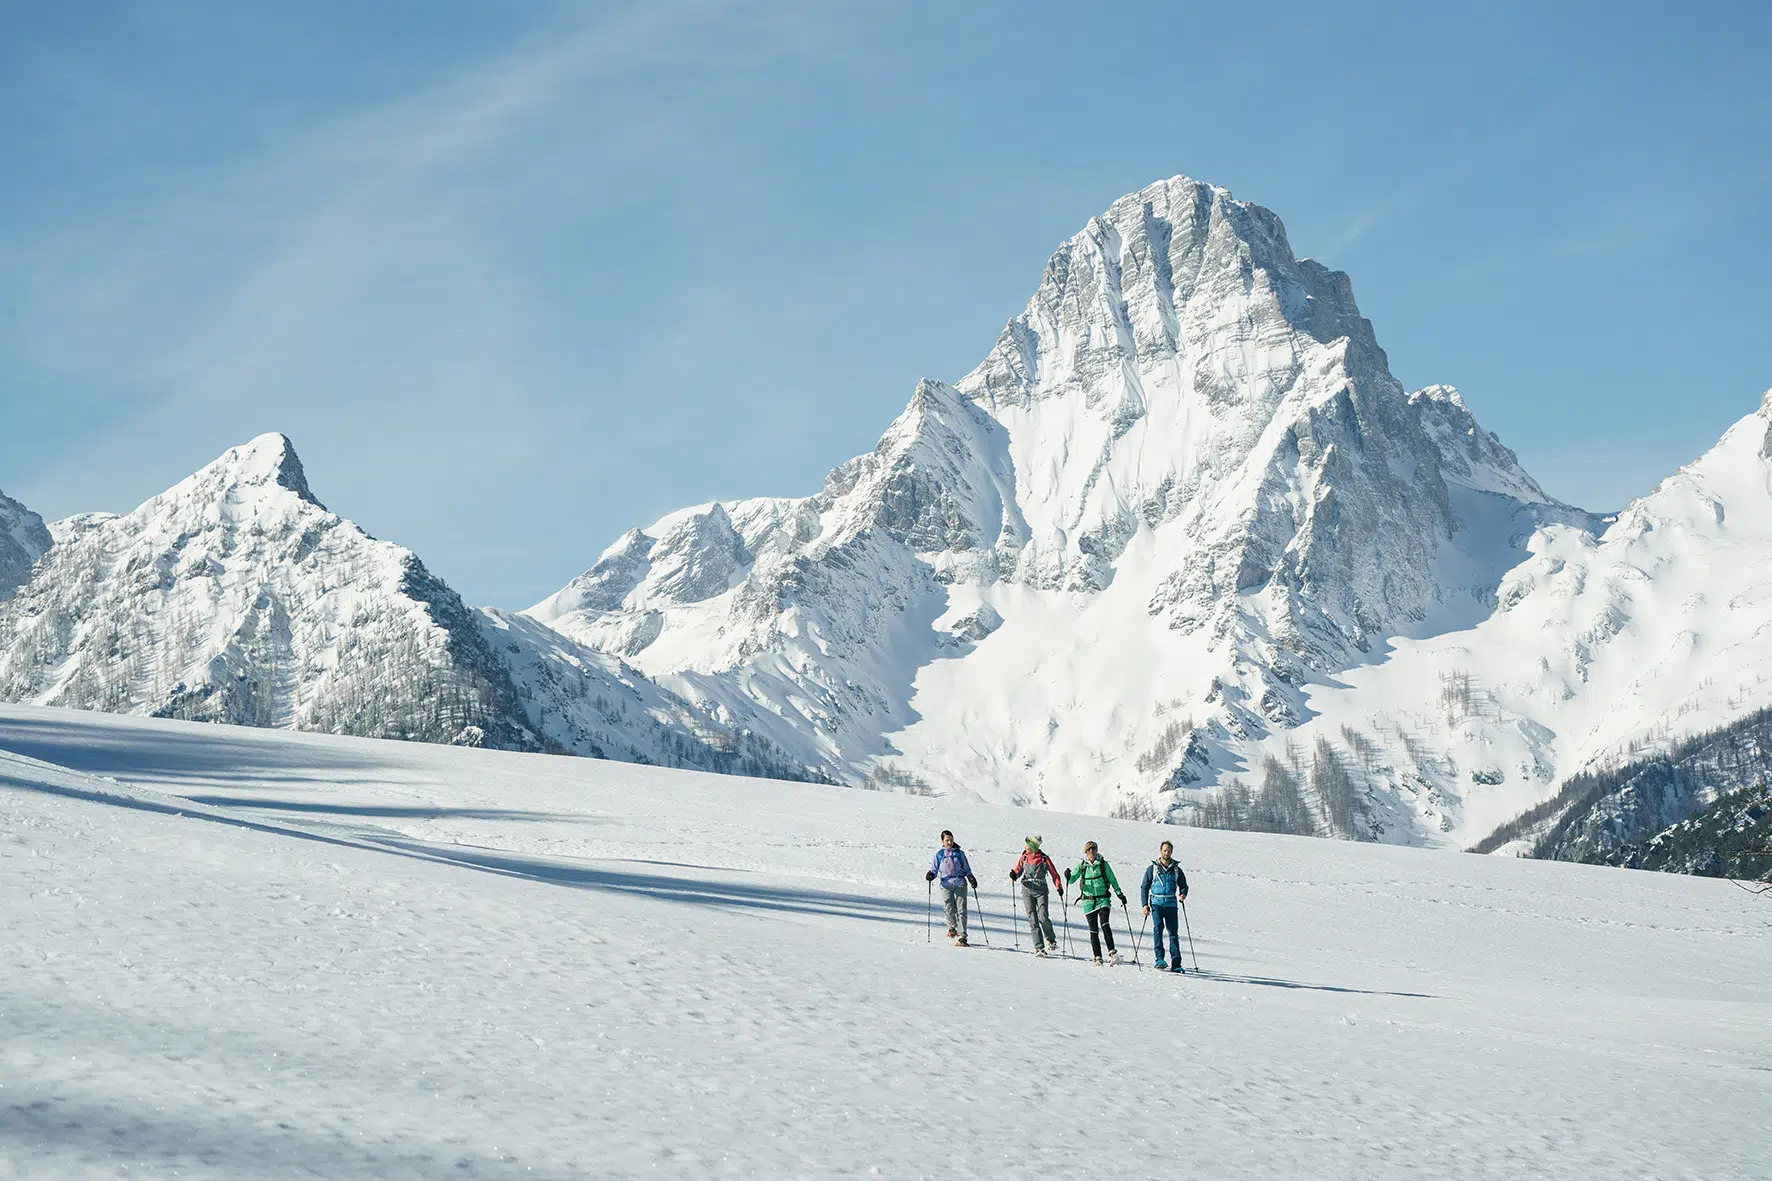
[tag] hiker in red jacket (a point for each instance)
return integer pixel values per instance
(1034, 870)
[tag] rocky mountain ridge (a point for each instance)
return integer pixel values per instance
(1180, 547)
(237, 597)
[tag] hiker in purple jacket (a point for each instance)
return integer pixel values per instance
(954, 874)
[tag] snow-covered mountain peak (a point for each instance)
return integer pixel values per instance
(265, 467)
(1165, 275)
(1183, 477)
(236, 596)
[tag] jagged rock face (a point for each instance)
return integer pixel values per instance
(237, 597)
(1181, 487)
(23, 539)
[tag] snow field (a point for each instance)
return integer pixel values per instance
(264, 954)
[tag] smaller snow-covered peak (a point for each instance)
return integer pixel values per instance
(1728, 488)
(269, 459)
(263, 476)
(1442, 393)
(1471, 456)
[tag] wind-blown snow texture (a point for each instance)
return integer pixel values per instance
(1181, 490)
(230, 953)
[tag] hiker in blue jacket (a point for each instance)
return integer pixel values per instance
(1161, 892)
(955, 874)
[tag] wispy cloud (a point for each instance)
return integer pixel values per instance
(368, 277)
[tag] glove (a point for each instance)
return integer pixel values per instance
(930, 876)
(1067, 877)
(972, 881)
(1122, 900)
(1014, 874)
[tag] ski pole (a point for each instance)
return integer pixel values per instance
(983, 927)
(1137, 932)
(1190, 932)
(929, 916)
(1015, 917)
(1064, 899)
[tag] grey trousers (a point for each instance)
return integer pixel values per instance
(953, 901)
(1039, 917)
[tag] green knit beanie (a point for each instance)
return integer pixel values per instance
(1034, 843)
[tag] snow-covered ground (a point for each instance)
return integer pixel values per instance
(238, 953)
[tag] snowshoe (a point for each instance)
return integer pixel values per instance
(1178, 968)
(961, 942)
(1040, 951)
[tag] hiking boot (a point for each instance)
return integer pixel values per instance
(1161, 966)
(1113, 956)
(953, 934)
(1098, 961)
(961, 942)
(1178, 968)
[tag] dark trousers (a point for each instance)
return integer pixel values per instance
(1100, 931)
(1166, 916)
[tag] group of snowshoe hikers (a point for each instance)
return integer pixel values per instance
(1161, 893)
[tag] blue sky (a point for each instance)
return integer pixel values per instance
(516, 278)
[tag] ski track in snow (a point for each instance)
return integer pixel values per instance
(237, 953)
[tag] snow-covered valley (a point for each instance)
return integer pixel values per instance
(242, 953)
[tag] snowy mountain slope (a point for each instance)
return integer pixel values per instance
(23, 539)
(1601, 649)
(237, 597)
(586, 702)
(259, 954)
(1182, 486)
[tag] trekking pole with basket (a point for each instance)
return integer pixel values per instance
(1064, 898)
(1015, 915)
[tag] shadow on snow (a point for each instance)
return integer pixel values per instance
(692, 890)
(390, 811)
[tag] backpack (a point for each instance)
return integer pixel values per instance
(1033, 871)
(1097, 872)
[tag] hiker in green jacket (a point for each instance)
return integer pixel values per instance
(1095, 880)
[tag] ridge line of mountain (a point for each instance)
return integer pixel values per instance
(1180, 546)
